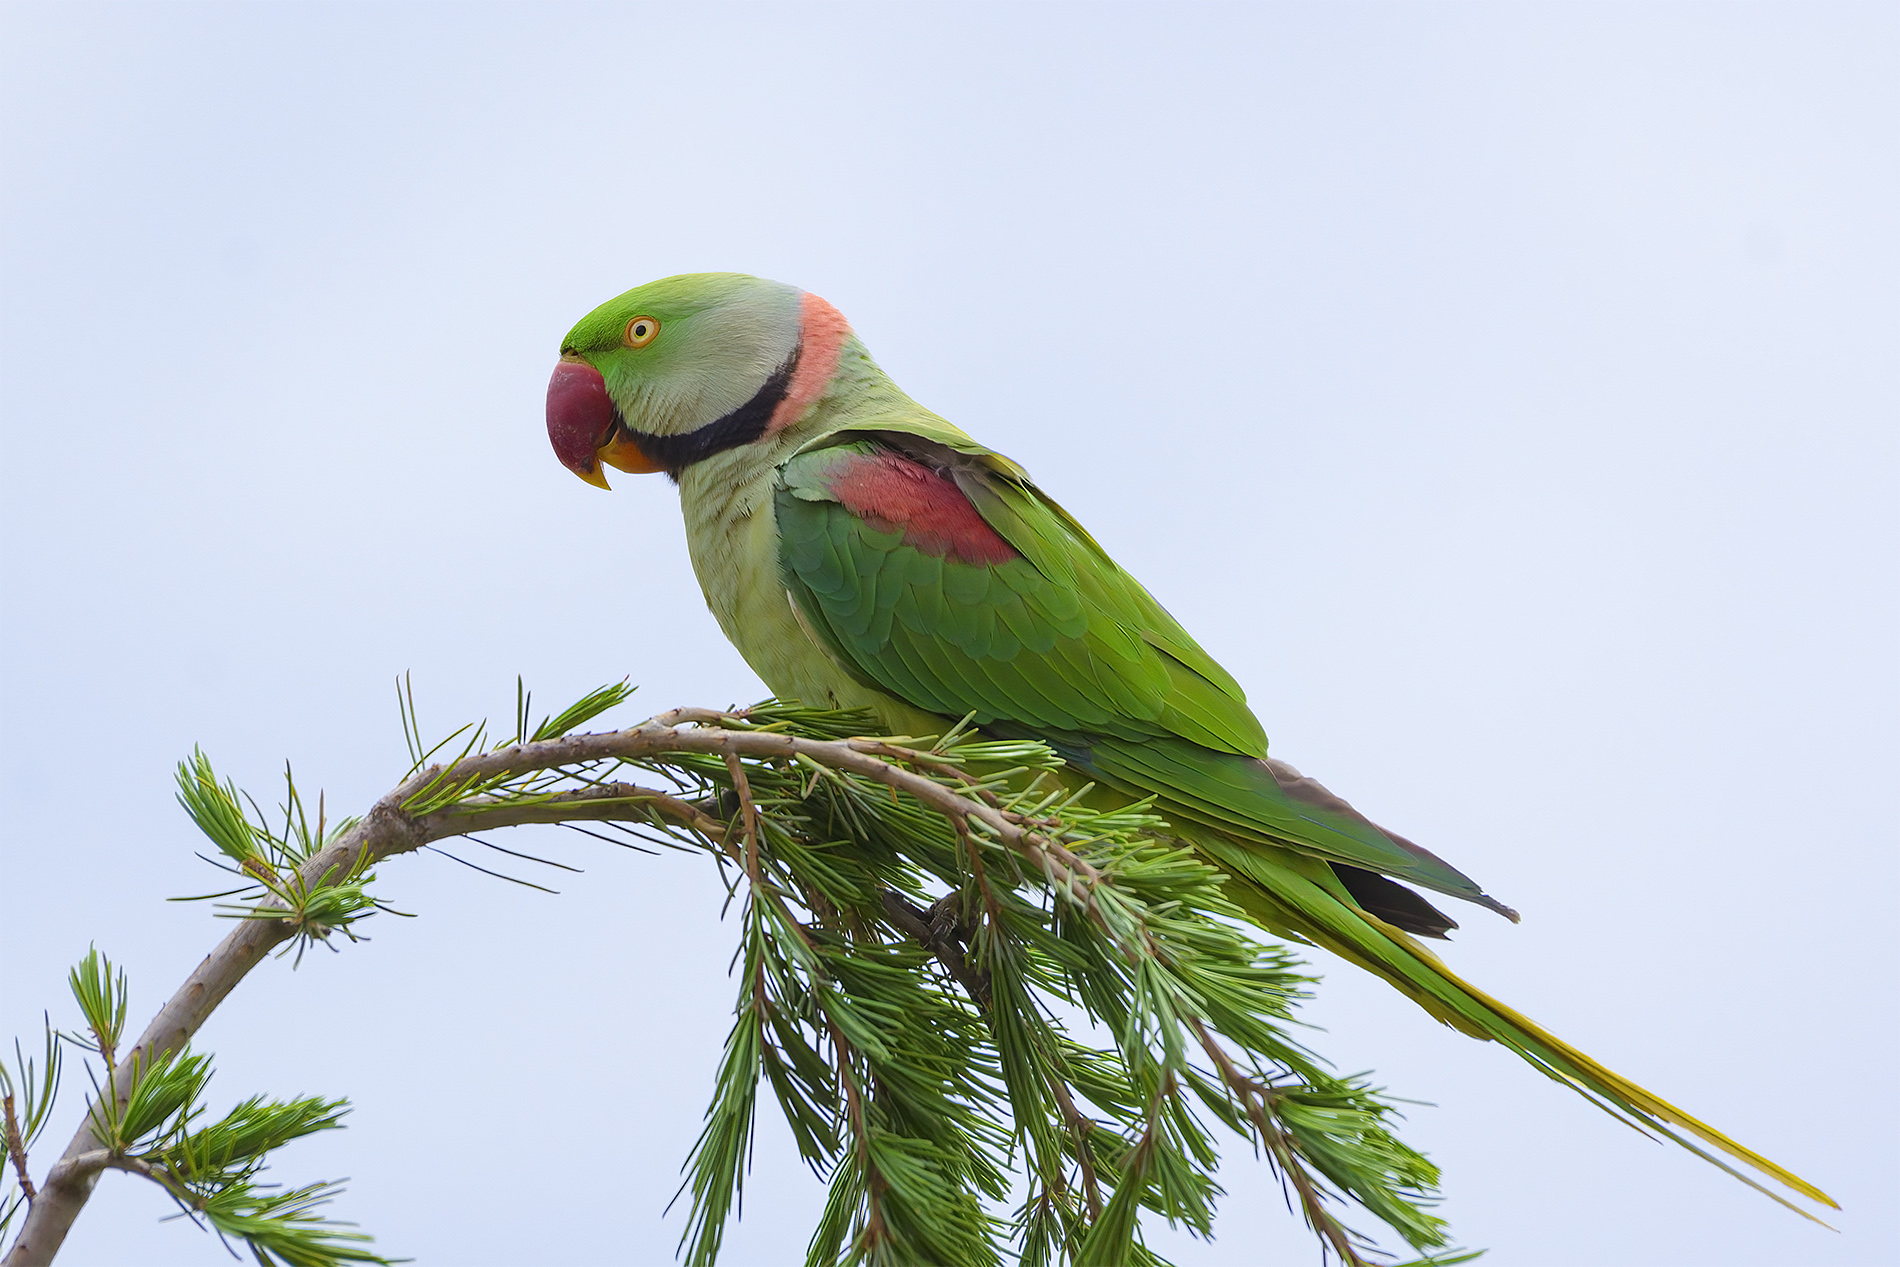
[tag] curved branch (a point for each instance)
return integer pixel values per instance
(873, 759)
(605, 802)
(388, 829)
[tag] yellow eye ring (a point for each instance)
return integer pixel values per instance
(641, 331)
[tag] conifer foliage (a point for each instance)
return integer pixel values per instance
(1006, 1021)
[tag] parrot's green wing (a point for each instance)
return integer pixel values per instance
(952, 583)
(932, 569)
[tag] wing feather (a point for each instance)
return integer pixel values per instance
(958, 588)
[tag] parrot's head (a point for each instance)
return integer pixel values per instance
(682, 368)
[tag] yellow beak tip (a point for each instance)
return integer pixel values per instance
(596, 477)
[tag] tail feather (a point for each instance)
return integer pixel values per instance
(1394, 903)
(1296, 896)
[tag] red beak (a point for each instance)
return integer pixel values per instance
(580, 418)
(585, 428)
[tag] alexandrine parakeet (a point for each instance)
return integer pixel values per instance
(862, 552)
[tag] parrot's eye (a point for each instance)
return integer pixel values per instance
(642, 331)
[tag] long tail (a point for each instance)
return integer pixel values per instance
(1291, 894)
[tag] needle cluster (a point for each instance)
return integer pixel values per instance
(210, 1168)
(1005, 1035)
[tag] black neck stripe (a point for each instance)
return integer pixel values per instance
(740, 427)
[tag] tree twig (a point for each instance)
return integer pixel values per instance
(1081, 1126)
(874, 1182)
(1253, 1102)
(16, 1148)
(748, 815)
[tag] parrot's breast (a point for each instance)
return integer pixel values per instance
(732, 535)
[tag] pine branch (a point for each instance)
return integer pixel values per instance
(908, 1096)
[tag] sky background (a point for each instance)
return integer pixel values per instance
(1505, 394)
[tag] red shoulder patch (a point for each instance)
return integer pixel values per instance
(822, 331)
(898, 495)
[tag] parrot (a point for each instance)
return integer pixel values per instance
(861, 552)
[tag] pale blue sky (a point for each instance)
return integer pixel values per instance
(1505, 394)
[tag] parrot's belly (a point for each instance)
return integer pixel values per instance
(732, 536)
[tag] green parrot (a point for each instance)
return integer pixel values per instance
(862, 552)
